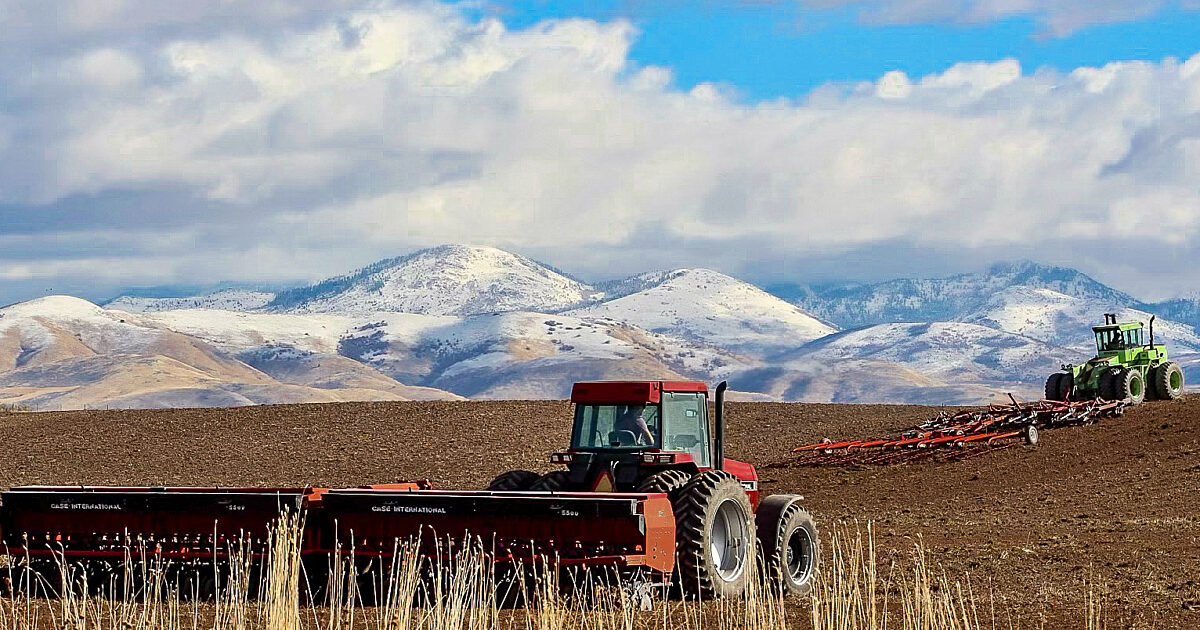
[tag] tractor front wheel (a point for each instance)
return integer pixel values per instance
(513, 480)
(1108, 384)
(1168, 381)
(713, 536)
(667, 481)
(791, 550)
(1053, 385)
(556, 481)
(1130, 385)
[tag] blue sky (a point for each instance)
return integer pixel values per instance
(781, 49)
(189, 142)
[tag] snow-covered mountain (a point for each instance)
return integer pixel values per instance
(710, 308)
(941, 299)
(225, 299)
(1065, 320)
(480, 322)
(446, 280)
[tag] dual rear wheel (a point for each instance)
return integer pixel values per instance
(716, 540)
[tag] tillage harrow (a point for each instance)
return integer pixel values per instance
(963, 434)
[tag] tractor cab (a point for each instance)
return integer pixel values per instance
(1117, 337)
(640, 435)
(1125, 341)
(643, 417)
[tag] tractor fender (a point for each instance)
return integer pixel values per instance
(771, 507)
(779, 520)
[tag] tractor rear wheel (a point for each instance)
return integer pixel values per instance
(713, 536)
(555, 481)
(791, 550)
(667, 481)
(1168, 381)
(1052, 386)
(513, 480)
(1130, 385)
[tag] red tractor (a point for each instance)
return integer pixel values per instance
(651, 437)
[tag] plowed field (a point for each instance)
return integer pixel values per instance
(1118, 501)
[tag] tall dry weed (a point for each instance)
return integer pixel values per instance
(462, 589)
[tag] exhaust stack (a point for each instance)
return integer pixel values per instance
(719, 438)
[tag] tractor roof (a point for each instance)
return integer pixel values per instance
(626, 392)
(1121, 326)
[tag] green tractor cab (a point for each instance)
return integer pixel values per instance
(1125, 368)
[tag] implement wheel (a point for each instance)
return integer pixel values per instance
(513, 480)
(791, 550)
(713, 536)
(1130, 385)
(1168, 381)
(556, 481)
(667, 481)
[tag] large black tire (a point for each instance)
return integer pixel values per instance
(1053, 384)
(513, 480)
(1108, 384)
(713, 536)
(667, 481)
(556, 481)
(1066, 386)
(1130, 385)
(791, 549)
(1168, 381)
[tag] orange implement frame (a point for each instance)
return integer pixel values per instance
(961, 434)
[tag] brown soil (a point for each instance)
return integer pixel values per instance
(1115, 504)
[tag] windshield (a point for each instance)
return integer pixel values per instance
(1113, 339)
(616, 426)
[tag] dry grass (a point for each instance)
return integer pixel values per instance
(463, 593)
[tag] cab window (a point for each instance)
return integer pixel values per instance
(1109, 340)
(616, 427)
(686, 427)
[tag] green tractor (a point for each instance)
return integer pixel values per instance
(1124, 368)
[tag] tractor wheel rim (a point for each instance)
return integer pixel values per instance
(1135, 387)
(799, 559)
(727, 544)
(1176, 380)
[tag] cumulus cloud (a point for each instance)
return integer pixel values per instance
(296, 143)
(1057, 17)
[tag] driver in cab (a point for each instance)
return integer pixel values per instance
(634, 421)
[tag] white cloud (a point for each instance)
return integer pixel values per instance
(330, 139)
